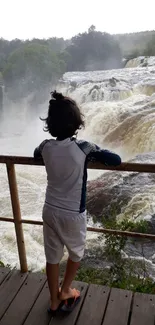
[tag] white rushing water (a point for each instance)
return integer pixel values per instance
(119, 108)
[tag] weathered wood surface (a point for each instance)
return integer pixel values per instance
(119, 306)
(143, 311)
(3, 273)
(24, 299)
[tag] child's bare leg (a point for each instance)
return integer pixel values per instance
(52, 271)
(71, 269)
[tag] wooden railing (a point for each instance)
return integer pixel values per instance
(10, 162)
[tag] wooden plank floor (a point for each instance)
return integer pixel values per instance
(24, 299)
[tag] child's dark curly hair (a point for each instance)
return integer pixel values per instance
(64, 117)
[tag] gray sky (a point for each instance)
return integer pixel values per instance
(65, 18)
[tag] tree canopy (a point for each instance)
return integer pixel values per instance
(136, 44)
(93, 50)
(31, 65)
(150, 49)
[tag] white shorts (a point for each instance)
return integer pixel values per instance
(63, 228)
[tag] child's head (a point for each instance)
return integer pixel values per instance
(64, 117)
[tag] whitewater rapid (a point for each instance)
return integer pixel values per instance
(119, 109)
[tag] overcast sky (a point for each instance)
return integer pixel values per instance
(65, 18)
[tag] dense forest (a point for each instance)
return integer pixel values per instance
(136, 44)
(31, 66)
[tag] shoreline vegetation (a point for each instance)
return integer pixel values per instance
(121, 272)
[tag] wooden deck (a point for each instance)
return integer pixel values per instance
(24, 299)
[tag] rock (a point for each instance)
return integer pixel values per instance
(145, 64)
(73, 84)
(113, 81)
(97, 87)
(123, 195)
(105, 198)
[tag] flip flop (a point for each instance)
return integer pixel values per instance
(70, 303)
(54, 313)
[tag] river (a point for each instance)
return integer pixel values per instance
(119, 108)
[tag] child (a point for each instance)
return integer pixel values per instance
(64, 217)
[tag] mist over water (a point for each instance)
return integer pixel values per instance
(119, 108)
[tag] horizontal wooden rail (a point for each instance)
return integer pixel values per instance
(128, 167)
(93, 229)
(10, 161)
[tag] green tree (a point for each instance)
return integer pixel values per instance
(32, 67)
(150, 48)
(6, 47)
(92, 28)
(93, 50)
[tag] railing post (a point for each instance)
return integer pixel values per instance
(17, 216)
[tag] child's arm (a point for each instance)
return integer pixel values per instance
(38, 151)
(104, 156)
(96, 154)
